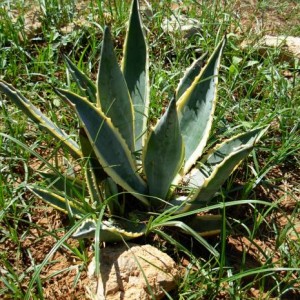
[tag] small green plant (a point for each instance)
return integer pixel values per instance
(133, 175)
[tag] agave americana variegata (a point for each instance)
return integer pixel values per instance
(128, 170)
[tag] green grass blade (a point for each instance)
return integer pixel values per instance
(109, 146)
(39, 118)
(50, 254)
(196, 108)
(112, 92)
(163, 154)
(256, 271)
(135, 70)
(191, 73)
(83, 82)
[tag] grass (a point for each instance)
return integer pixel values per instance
(259, 251)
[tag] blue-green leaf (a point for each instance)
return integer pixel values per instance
(72, 187)
(109, 146)
(89, 154)
(83, 82)
(164, 153)
(135, 70)
(222, 160)
(219, 175)
(109, 231)
(207, 177)
(58, 201)
(112, 196)
(219, 153)
(190, 75)
(205, 225)
(196, 108)
(112, 92)
(40, 119)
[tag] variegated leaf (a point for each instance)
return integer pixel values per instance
(112, 92)
(109, 232)
(163, 154)
(196, 108)
(189, 76)
(88, 153)
(109, 146)
(40, 119)
(72, 187)
(210, 173)
(59, 201)
(135, 70)
(205, 225)
(112, 197)
(203, 169)
(83, 82)
(219, 175)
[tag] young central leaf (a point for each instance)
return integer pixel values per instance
(164, 154)
(112, 92)
(135, 70)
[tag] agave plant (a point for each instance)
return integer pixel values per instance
(133, 174)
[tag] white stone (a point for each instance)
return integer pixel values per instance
(123, 272)
(291, 44)
(181, 23)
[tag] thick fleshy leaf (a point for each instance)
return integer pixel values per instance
(72, 187)
(111, 196)
(135, 70)
(88, 153)
(190, 231)
(205, 225)
(83, 82)
(196, 108)
(109, 146)
(112, 92)
(223, 160)
(220, 174)
(58, 201)
(212, 171)
(93, 171)
(215, 156)
(39, 118)
(222, 150)
(190, 74)
(92, 184)
(200, 196)
(163, 154)
(109, 231)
